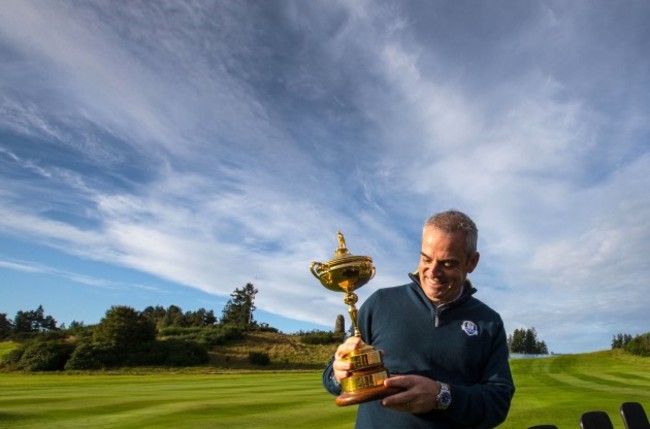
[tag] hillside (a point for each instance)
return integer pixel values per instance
(285, 352)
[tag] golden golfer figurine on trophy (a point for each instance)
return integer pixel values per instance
(346, 273)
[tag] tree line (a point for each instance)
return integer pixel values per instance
(156, 336)
(238, 312)
(525, 341)
(638, 345)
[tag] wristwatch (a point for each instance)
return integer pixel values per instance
(443, 400)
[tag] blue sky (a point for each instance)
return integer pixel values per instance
(167, 152)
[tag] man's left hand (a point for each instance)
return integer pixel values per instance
(419, 395)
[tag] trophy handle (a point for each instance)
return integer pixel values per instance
(314, 268)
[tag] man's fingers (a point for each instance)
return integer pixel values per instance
(399, 400)
(350, 345)
(341, 365)
(401, 381)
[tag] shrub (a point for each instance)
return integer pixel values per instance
(639, 345)
(170, 352)
(265, 327)
(259, 358)
(220, 335)
(125, 328)
(45, 356)
(182, 353)
(320, 337)
(208, 336)
(11, 359)
(177, 331)
(93, 356)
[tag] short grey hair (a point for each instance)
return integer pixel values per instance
(451, 221)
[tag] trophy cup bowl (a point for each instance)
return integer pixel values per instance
(347, 273)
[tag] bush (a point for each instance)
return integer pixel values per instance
(320, 337)
(93, 356)
(639, 345)
(177, 331)
(208, 336)
(125, 328)
(45, 356)
(26, 337)
(265, 327)
(182, 353)
(11, 359)
(170, 352)
(220, 335)
(259, 358)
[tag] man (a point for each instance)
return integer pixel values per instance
(446, 349)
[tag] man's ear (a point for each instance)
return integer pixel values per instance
(473, 262)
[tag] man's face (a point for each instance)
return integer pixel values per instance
(444, 264)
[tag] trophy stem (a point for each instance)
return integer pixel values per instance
(350, 299)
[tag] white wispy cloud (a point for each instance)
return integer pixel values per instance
(231, 142)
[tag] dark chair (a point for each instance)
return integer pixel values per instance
(543, 427)
(595, 420)
(634, 416)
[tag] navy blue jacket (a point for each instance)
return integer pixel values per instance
(462, 343)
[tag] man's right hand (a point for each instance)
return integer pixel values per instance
(341, 366)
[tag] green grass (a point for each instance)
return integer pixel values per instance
(272, 400)
(549, 390)
(6, 347)
(559, 389)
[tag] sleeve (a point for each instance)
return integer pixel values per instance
(486, 404)
(329, 382)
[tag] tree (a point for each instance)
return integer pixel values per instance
(639, 345)
(156, 314)
(209, 318)
(174, 317)
(516, 341)
(620, 341)
(525, 341)
(200, 318)
(33, 321)
(5, 326)
(124, 328)
(239, 309)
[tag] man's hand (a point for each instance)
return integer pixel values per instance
(341, 366)
(419, 395)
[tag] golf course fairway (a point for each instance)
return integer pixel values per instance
(555, 390)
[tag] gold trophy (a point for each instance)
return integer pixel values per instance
(347, 273)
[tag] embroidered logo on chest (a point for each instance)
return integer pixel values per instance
(470, 328)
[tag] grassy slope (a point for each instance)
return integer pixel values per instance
(6, 347)
(285, 351)
(559, 389)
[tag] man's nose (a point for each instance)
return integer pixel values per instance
(435, 268)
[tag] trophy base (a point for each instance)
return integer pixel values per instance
(366, 381)
(365, 395)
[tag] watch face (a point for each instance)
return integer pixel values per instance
(445, 399)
